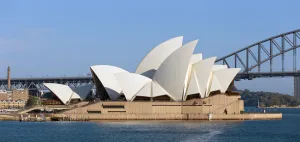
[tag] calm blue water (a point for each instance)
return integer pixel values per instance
(287, 129)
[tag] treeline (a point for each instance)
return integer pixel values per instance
(33, 100)
(267, 99)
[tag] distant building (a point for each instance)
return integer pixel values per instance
(3, 95)
(13, 98)
(12, 104)
(297, 87)
(20, 95)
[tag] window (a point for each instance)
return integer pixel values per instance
(113, 106)
(94, 111)
(116, 111)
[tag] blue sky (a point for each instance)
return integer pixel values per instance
(56, 38)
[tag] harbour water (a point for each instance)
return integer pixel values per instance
(287, 129)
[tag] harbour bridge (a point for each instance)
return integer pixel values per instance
(256, 60)
(263, 54)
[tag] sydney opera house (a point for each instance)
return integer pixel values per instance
(170, 79)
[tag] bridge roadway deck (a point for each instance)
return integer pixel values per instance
(253, 75)
(47, 79)
(37, 83)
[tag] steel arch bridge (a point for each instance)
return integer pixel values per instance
(254, 57)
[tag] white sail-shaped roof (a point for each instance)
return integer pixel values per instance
(203, 69)
(63, 92)
(131, 83)
(106, 75)
(192, 86)
(145, 91)
(169, 69)
(213, 84)
(107, 69)
(225, 77)
(154, 58)
(196, 58)
(219, 67)
(83, 91)
(157, 90)
(152, 89)
(172, 72)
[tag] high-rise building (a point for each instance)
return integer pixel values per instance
(297, 87)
